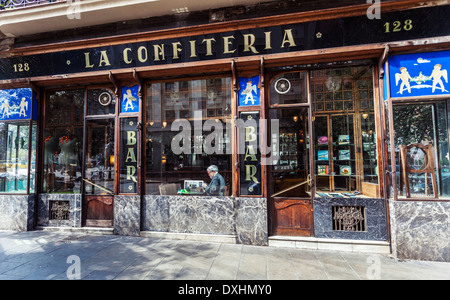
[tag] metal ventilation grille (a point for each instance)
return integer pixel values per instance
(59, 210)
(349, 218)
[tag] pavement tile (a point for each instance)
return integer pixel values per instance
(44, 256)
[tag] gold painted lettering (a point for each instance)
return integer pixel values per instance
(193, 50)
(131, 156)
(209, 45)
(125, 56)
(104, 59)
(249, 41)
(250, 172)
(87, 58)
(288, 38)
(250, 152)
(250, 134)
(142, 54)
(226, 44)
(131, 138)
(159, 52)
(176, 50)
(131, 171)
(268, 40)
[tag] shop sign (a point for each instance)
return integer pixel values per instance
(250, 155)
(130, 100)
(392, 26)
(128, 158)
(16, 104)
(249, 93)
(419, 74)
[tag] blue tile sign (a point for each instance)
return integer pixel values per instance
(15, 104)
(130, 99)
(249, 93)
(421, 74)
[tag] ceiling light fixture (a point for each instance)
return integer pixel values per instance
(181, 10)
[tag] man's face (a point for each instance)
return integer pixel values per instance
(211, 174)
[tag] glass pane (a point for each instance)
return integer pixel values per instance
(334, 86)
(418, 125)
(33, 158)
(63, 141)
(343, 154)
(99, 174)
(14, 139)
(188, 130)
(345, 133)
(289, 88)
(369, 148)
(128, 155)
(250, 154)
(322, 142)
(101, 102)
(291, 172)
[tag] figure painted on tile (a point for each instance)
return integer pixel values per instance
(249, 90)
(23, 107)
(6, 107)
(405, 78)
(437, 76)
(130, 99)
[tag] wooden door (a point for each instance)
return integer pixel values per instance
(292, 217)
(289, 180)
(99, 211)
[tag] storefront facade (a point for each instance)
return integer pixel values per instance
(296, 112)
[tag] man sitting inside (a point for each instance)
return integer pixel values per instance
(217, 184)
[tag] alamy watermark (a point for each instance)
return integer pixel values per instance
(374, 11)
(194, 140)
(74, 270)
(374, 270)
(74, 10)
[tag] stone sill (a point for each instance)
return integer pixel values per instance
(311, 243)
(85, 230)
(210, 238)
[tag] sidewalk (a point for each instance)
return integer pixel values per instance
(42, 255)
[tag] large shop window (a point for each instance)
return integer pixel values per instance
(14, 155)
(63, 141)
(422, 150)
(345, 149)
(18, 114)
(189, 130)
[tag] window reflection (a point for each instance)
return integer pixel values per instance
(99, 176)
(417, 126)
(345, 149)
(290, 174)
(63, 141)
(202, 110)
(14, 139)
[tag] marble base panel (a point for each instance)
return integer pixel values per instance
(16, 212)
(376, 219)
(127, 215)
(246, 218)
(74, 200)
(251, 221)
(420, 230)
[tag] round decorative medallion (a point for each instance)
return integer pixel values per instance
(282, 86)
(333, 84)
(105, 99)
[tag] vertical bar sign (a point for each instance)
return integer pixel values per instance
(250, 154)
(128, 155)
